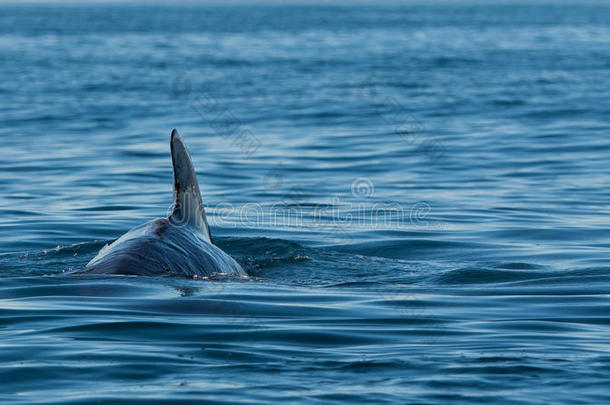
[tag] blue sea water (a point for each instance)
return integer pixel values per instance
(419, 192)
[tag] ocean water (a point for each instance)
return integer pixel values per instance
(419, 193)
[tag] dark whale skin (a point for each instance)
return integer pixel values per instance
(160, 247)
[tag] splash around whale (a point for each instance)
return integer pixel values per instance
(180, 245)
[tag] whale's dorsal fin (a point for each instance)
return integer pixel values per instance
(188, 207)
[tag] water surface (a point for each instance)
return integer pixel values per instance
(419, 193)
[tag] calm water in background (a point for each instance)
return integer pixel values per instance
(441, 173)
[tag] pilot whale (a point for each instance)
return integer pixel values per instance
(180, 245)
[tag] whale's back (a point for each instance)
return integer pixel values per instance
(161, 247)
(178, 245)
